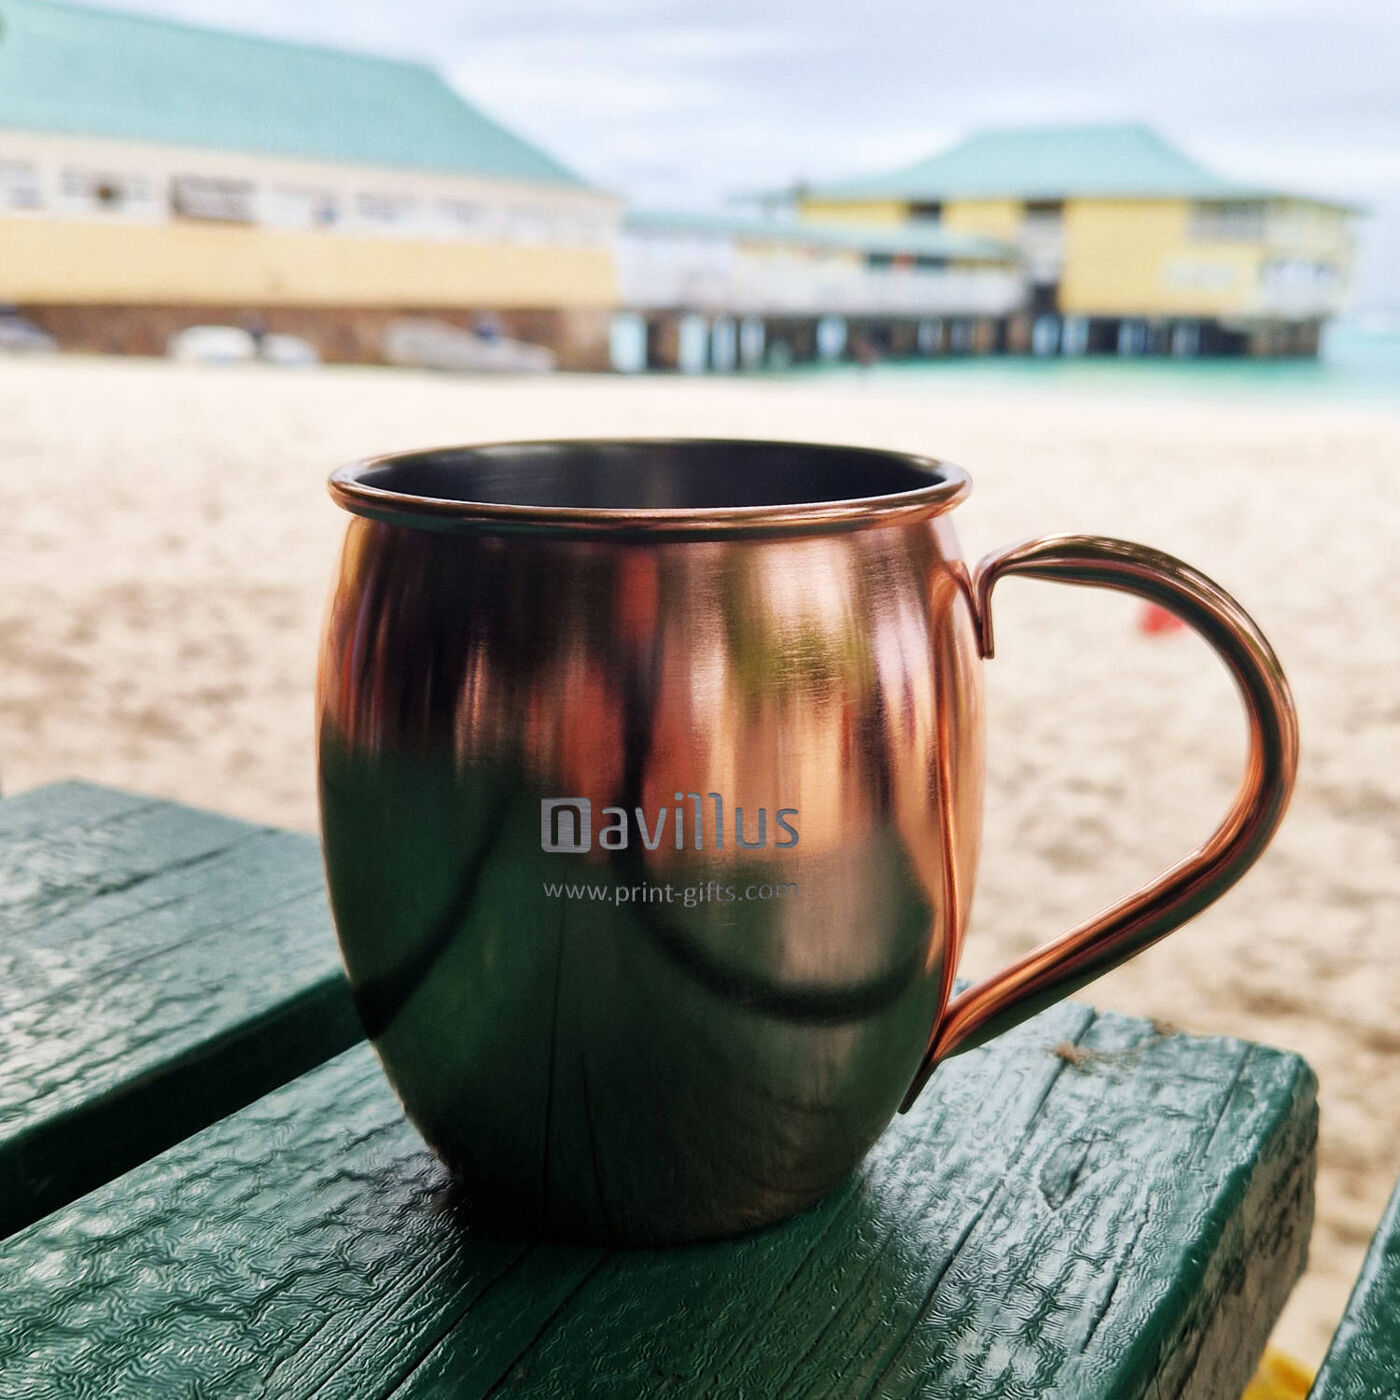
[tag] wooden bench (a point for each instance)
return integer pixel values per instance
(159, 968)
(1084, 1208)
(1363, 1362)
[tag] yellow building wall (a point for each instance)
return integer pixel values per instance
(995, 218)
(869, 213)
(1134, 257)
(50, 260)
(1138, 257)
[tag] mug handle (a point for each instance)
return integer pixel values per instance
(1065, 964)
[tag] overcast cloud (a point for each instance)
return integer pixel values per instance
(677, 103)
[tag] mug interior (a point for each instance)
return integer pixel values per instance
(703, 475)
(662, 482)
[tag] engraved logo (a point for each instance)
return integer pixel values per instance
(566, 824)
(697, 821)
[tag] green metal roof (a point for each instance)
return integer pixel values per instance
(83, 71)
(1048, 162)
(929, 239)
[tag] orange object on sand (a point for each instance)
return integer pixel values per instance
(1153, 620)
(1279, 1377)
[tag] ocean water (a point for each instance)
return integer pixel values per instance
(1359, 363)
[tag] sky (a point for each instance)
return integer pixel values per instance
(679, 104)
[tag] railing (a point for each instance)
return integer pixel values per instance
(776, 289)
(1300, 289)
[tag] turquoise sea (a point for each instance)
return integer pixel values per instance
(1359, 363)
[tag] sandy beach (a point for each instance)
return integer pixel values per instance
(166, 544)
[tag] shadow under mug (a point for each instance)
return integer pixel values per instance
(651, 784)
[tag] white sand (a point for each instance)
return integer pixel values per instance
(166, 544)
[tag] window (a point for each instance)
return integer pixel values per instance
(591, 231)
(524, 225)
(212, 197)
(580, 230)
(19, 185)
(303, 206)
(103, 189)
(1228, 221)
(386, 208)
(1043, 240)
(1298, 274)
(467, 218)
(929, 211)
(1186, 274)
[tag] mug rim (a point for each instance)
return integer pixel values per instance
(946, 485)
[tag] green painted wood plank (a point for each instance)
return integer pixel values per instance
(77, 907)
(1363, 1362)
(1121, 1221)
(65, 804)
(160, 967)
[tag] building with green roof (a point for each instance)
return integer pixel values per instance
(151, 171)
(1131, 244)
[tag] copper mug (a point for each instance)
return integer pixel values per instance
(651, 785)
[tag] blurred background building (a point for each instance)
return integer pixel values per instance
(156, 176)
(1130, 245)
(705, 291)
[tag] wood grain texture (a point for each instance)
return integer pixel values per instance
(1363, 1362)
(1121, 1223)
(160, 967)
